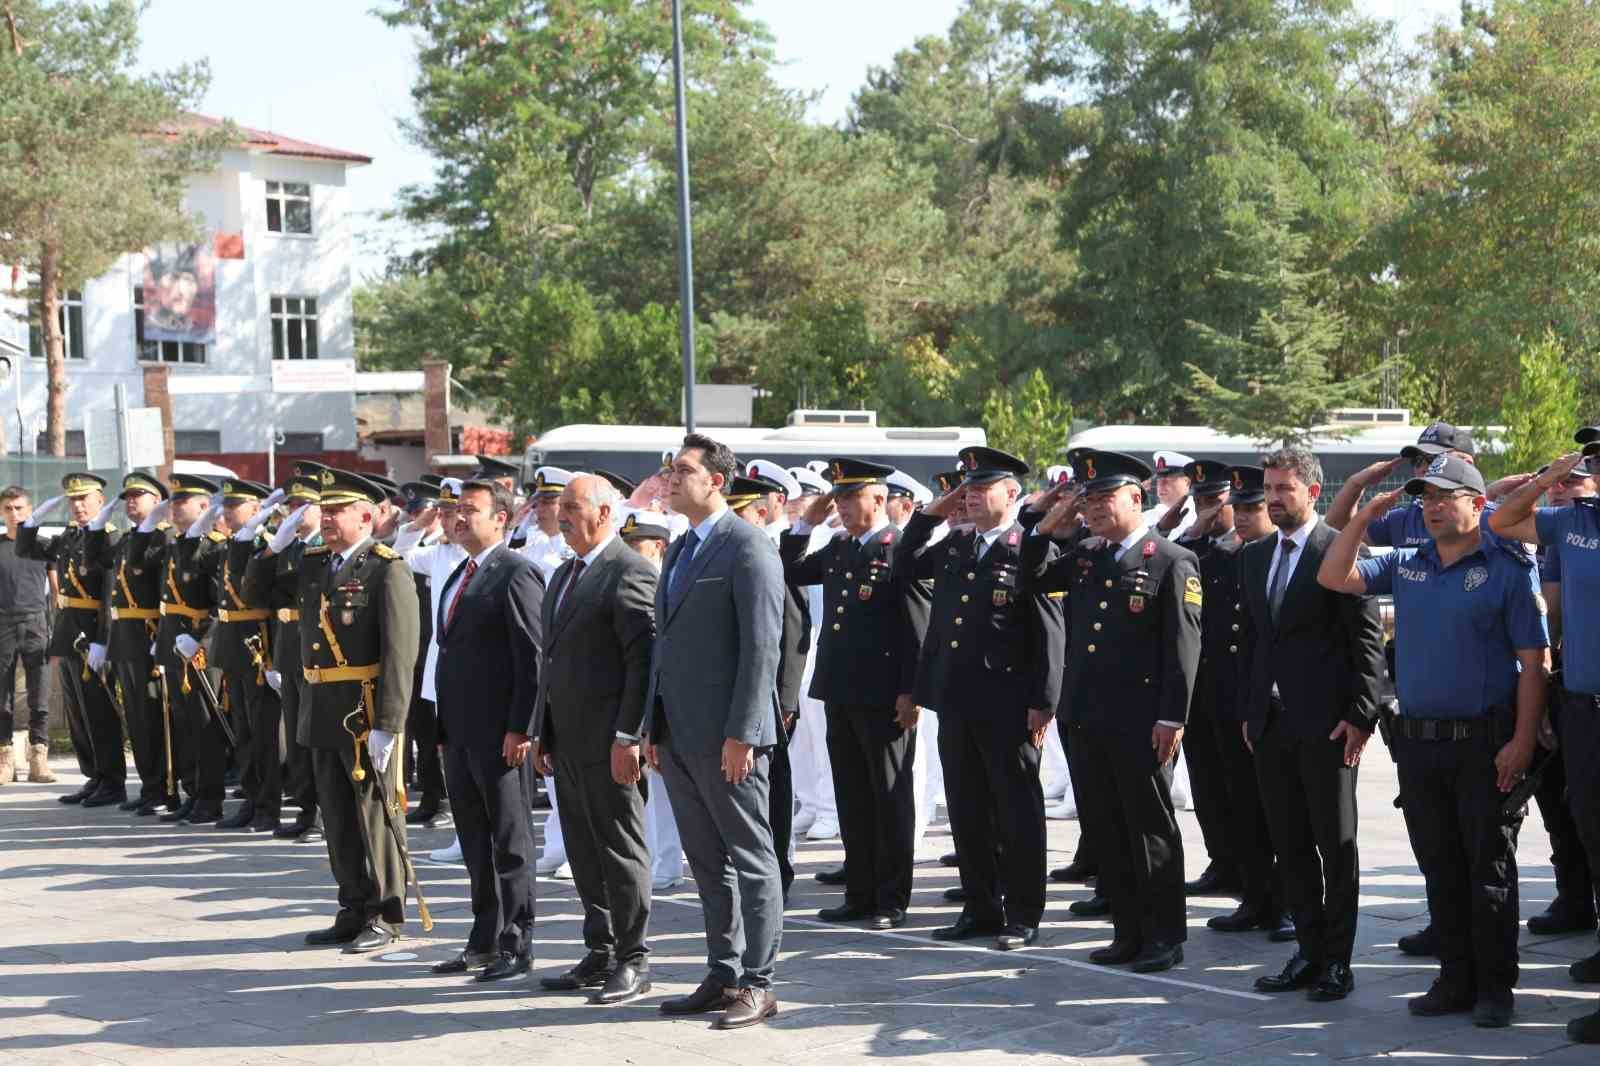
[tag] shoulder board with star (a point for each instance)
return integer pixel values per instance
(215, 537)
(320, 549)
(383, 551)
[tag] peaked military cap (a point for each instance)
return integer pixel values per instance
(81, 483)
(1249, 484)
(1447, 472)
(980, 465)
(347, 486)
(192, 485)
(641, 524)
(139, 481)
(305, 489)
(550, 480)
(618, 482)
(490, 468)
(1103, 471)
(1206, 478)
(848, 475)
(235, 489)
(1440, 437)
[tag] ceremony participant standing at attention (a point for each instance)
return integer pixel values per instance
(818, 816)
(871, 634)
(24, 631)
(358, 640)
(422, 721)
(1313, 702)
(599, 629)
(488, 632)
(710, 724)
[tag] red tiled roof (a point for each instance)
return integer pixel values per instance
(271, 143)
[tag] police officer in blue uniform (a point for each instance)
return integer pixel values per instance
(1574, 532)
(1133, 650)
(1402, 526)
(1470, 657)
(993, 657)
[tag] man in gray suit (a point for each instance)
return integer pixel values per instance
(710, 725)
(599, 626)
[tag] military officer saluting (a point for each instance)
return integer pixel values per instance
(991, 666)
(1133, 648)
(91, 715)
(358, 643)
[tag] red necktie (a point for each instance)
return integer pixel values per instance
(455, 601)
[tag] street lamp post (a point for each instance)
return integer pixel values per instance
(685, 241)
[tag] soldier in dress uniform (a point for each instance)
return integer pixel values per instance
(390, 512)
(499, 471)
(871, 629)
(991, 665)
(358, 643)
(272, 579)
(422, 721)
(541, 526)
(132, 565)
(1133, 648)
(91, 714)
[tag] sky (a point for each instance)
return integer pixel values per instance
(329, 72)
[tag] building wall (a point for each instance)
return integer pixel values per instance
(231, 199)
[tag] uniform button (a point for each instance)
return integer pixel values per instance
(840, 609)
(1233, 648)
(1238, 607)
(965, 597)
(1091, 649)
(1236, 627)
(844, 592)
(1102, 605)
(958, 621)
(1097, 627)
(1108, 582)
(955, 644)
(848, 576)
(1147, 680)
(315, 646)
(970, 576)
(836, 627)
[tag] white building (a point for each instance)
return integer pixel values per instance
(287, 300)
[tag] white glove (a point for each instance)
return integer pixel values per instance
(157, 515)
(32, 520)
(273, 499)
(152, 649)
(288, 529)
(97, 657)
(380, 743)
(275, 679)
(252, 526)
(98, 522)
(186, 645)
(207, 521)
(407, 537)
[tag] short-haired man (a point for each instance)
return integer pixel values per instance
(1312, 702)
(24, 629)
(1402, 526)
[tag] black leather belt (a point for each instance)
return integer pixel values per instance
(1443, 728)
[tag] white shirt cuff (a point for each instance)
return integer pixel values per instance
(1170, 725)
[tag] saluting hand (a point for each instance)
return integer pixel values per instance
(818, 510)
(1355, 739)
(1560, 469)
(1381, 504)
(945, 505)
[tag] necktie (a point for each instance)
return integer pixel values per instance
(1280, 576)
(455, 601)
(572, 581)
(691, 540)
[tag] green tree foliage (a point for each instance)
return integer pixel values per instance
(93, 158)
(1030, 421)
(1539, 408)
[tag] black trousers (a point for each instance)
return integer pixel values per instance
(780, 802)
(141, 710)
(602, 824)
(1579, 723)
(1245, 819)
(991, 783)
(22, 643)
(1207, 780)
(1467, 851)
(491, 811)
(1126, 799)
(1085, 851)
(872, 783)
(299, 776)
(1576, 885)
(97, 734)
(422, 726)
(262, 773)
(366, 861)
(199, 747)
(1310, 798)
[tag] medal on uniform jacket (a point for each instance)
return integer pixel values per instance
(1001, 597)
(864, 593)
(1136, 604)
(347, 617)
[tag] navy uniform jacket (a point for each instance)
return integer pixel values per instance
(79, 583)
(1226, 635)
(873, 620)
(1133, 648)
(364, 616)
(994, 638)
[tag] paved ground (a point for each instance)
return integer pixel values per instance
(127, 941)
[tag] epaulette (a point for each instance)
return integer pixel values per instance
(111, 527)
(383, 551)
(215, 537)
(1517, 550)
(320, 549)
(163, 525)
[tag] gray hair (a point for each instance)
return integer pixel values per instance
(601, 492)
(1297, 461)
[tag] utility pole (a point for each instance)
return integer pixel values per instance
(685, 242)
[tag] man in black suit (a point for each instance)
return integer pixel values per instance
(599, 625)
(1312, 700)
(1133, 650)
(488, 674)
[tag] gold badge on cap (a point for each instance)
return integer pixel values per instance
(326, 477)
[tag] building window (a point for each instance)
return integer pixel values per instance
(288, 207)
(70, 315)
(301, 443)
(197, 440)
(75, 445)
(161, 351)
(294, 327)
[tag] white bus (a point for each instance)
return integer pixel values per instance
(635, 452)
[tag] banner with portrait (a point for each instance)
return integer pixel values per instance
(180, 293)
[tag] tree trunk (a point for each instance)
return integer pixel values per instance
(55, 356)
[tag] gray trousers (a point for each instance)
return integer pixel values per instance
(727, 839)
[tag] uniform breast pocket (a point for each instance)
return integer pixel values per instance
(348, 603)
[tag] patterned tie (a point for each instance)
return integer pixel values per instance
(455, 601)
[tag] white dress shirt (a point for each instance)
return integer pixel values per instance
(436, 562)
(1299, 536)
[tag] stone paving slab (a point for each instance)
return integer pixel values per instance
(128, 941)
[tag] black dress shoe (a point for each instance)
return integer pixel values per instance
(1586, 971)
(148, 807)
(889, 919)
(1585, 1030)
(1333, 983)
(1441, 999)
(1423, 942)
(337, 933)
(467, 960)
(180, 812)
(237, 794)
(949, 858)
(1280, 928)
(592, 972)
(1116, 953)
(202, 814)
(131, 804)
(264, 823)
(1217, 880)
(629, 981)
(1013, 937)
(82, 794)
(956, 894)
(1157, 957)
(845, 912)
(106, 796)
(831, 877)
(313, 835)
(1560, 918)
(1299, 972)
(506, 964)
(1096, 906)
(1494, 1009)
(290, 830)
(968, 929)
(750, 1006)
(239, 819)
(1075, 871)
(422, 816)
(373, 937)
(711, 995)
(1246, 916)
